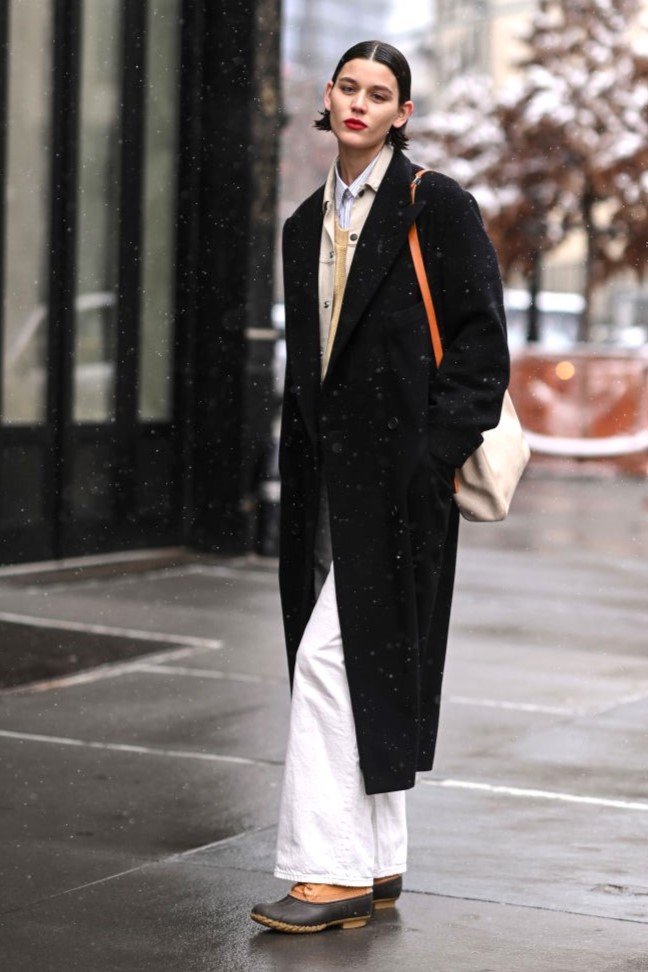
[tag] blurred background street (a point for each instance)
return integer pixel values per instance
(139, 795)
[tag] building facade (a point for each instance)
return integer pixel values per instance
(478, 36)
(317, 32)
(136, 241)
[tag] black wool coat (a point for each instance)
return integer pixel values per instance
(382, 432)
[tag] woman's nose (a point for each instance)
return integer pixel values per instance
(359, 102)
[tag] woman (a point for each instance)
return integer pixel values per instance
(371, 436)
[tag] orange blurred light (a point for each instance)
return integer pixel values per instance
(565, 370)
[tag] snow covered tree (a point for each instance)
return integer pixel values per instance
(473, 142)
(583, 103)
(572, 143)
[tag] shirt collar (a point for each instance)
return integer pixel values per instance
(371, 177)
(354, 188)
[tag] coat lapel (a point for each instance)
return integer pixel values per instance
(383, 236)
(301, 267)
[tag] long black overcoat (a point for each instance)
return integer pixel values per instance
(373, 431)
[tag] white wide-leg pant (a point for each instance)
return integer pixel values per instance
(330, 830)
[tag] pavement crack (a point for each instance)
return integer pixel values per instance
(504, 903)
(145, 865)
(80, 887)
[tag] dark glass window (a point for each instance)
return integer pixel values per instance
(24, 346)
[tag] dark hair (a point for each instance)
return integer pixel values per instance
(392, 58)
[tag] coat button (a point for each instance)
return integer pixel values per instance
(353, 237)
(336, 448)
(392, 423)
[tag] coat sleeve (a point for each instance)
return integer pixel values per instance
(467, 391)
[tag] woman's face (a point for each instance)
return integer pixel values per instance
(363, 104)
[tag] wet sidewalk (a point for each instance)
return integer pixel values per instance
(139, 794)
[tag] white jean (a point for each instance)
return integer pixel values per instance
(330, 830)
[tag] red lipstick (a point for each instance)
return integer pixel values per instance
(354, 124)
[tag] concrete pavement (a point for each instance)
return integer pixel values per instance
(140, 778)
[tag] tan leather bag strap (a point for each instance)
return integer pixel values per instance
(421, 276)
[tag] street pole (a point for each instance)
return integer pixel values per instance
(535, 283)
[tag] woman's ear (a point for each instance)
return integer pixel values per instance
(327, 95)
(404, 114)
